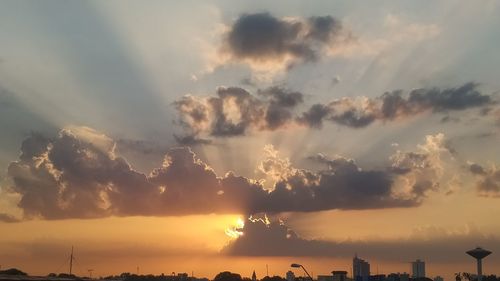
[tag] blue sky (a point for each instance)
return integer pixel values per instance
(124, 78)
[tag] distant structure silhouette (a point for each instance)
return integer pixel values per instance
(254, 276)
(479, 254)
(339, 275)
(418, 269)
(361, 269)
(71, 258)
(90, 273)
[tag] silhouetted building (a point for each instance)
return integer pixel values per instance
(325, 278)
(418, 269)
(398, 277)
(254, 276)
(377, 277)
(290, 276)
(339, 275)
(360, 269)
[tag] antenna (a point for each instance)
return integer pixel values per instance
(267, 270)
(90, 273)
(71, 258)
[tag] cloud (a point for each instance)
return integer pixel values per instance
(265, 42)
(420, 171)
(360, 112)
(488, 179)
(79, 174)
(275, 238)
(191, 140)
(8, 218)
(234, 111)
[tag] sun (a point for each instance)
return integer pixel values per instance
(236, 230)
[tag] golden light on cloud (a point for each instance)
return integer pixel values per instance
(235, 230)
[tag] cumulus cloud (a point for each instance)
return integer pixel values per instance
(488, 179)
(275, 238)
(420, 171)
(269, 43)
(235, 112)
(362, 111)
(79, 174)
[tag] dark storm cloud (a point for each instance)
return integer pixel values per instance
(488, 180)
(79, 175)
(262, 37)
(276, 239)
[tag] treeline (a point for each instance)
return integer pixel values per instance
(12, 271)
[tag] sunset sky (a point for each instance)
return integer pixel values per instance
(202, 136)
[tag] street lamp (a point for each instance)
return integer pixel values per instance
(296, 265)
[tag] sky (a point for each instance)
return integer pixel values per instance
(190, 136)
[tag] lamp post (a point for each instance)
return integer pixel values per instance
(296, 265)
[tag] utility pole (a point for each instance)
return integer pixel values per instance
(71, 258)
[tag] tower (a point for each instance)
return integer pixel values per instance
(418, 269)
(254, 276)
(71, 258)
(479, 253)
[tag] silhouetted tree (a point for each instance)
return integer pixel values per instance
(274, 278)
(227, 276)
(490, 278)
(12, 271)
(66, 275)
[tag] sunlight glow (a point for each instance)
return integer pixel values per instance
(235, 230)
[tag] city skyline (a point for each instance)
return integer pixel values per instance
(250, 135)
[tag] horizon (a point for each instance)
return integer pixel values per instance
(240, 135)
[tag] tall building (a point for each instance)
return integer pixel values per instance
(254, 276)
(418, 269)
(290, 276)
(360, 269)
